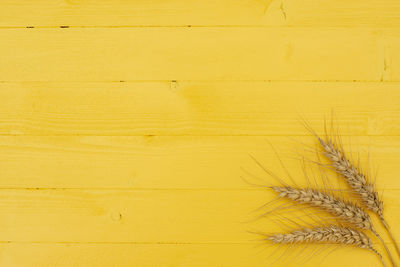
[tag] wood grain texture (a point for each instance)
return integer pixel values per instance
(191, 54)
(170, 162)
(197, 108)
(126, 216)
(124, 124)
(171, 255)
(143, 216)
(105, 13)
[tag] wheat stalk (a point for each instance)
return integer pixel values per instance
(331, 234)
(357, 180)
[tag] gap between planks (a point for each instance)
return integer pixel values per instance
(188, 26)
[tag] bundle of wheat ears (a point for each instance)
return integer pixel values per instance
(351, 219)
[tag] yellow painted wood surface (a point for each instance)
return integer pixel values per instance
(143, 162)
(109, 54)
(122, 13)
(125, 126)
(196, 108)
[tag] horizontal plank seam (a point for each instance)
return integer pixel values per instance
(378, 81)
(150, 189)
(188, 135)
(32, 26)
(122, 242)
(137, 243)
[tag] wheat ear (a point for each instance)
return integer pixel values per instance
(345, 210)
(355, 178)
(359, 182)
(327, 235)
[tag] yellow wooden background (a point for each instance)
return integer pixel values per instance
(124, 124)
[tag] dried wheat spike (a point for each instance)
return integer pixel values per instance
(360, 184)
(354, 177)
(331, 234)
(345, 210)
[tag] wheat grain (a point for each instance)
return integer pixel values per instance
(331, 234)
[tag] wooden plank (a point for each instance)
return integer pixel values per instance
(190, 54)
(180, 216)
(196, 108)
(169, 162)
(155, 216)
(390, 45)
(150, 255)
(350, 13)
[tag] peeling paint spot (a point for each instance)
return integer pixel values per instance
(384, 69)
(149, 138)
(384, 66)
(173, 85)
(267, 4)
(282, 10)
(116, 216)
